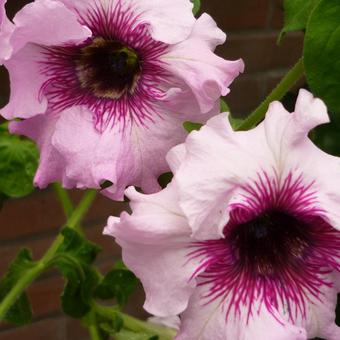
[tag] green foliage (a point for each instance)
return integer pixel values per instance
(20, 312)
(119, 283)
(18, 163)
(128, 335)
(327, 136)
(74, 258)
(190, 126)
(322, 51)
(235, 122)
(197, 6)
(224, 107)
(296, 15)
(114, 326)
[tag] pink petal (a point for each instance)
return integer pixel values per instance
(47, 22)
(156, 253)
(6, 29)
(208, 321)
(203, 72)
(170, 21)
(26, 80)
(320, 318)
(51, 164)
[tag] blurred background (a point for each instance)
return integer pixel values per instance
(252, 28)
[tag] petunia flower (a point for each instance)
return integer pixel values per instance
(105, 86)
(244, 243)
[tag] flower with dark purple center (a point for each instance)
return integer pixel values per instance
(105, 86)
(244, 243)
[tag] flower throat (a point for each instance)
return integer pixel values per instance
(267, 243)
(108, 68)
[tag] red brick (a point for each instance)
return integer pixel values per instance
(239, 15)
(51, 329)
(27, 216)
(276, 16)
(4, 93)
(45, 296)
(260, 51)
(246, 93)
(41, 212)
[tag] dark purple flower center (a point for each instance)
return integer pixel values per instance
(108, 68)
(270, 241)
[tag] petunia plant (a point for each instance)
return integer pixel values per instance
(233, 228)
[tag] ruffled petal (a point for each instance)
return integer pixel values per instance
(51, 163)
(156, 253)
(208, 321)
(47, 22)
(26, 80)
(217, 162)
(6, 29)
(319, 321)
(134, 156)
(170, 21)
(203, 72)
(147, 149)
(287, 137)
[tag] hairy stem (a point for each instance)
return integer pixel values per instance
(288, 81)
(91, 324)
(64, 199)
(135, 325)
(34, 272)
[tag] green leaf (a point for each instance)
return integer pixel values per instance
(78, 246)
(128, 335)
(74, 258)
(224, 106)
(114, 326)
(235, 122)
(326, 136)
(190, 126)
(20, 312)
(18, 164)
(322, 51)
(119, 284)
(296, 15)
(197, 6)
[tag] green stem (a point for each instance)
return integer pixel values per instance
(64, 199)
(31, 274)
(134, 324)
(280, 90)
(91, 324)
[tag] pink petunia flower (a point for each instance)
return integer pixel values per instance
(245, 242)
(105, 86)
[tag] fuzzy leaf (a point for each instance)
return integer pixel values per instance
(119, 284)
(197, 6)
(18, 163)
(296, 15)
(190, 126)
(74, 258)
(224, 106)
(128, 335)
(322, 51)
(21, 312)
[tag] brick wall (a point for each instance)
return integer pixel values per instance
(252, 28)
